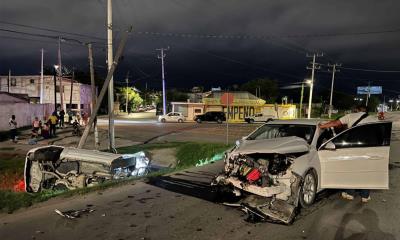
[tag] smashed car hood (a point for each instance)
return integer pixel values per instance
(275, 145)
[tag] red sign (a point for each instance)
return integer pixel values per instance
(227, 98)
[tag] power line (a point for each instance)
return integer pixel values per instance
(51, 30)
(371, 70)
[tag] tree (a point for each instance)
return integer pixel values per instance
(134, 99)
(268, 89)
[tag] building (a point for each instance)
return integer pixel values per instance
(236, 104)
(31, 86)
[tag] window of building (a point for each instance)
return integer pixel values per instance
(57, 88)
(82, 106)
(13, 82)
(32, 81)
(197, 111)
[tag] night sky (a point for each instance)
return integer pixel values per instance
(212, 42)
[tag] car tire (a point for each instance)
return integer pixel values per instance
(251, 121)
(219, 121)
(180, 121)
(308, 191)
(163, 120)
(198, 120)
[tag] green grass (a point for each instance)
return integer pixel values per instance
(188, 154)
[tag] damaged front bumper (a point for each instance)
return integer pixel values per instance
(270, 194)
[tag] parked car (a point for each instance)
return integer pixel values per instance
(259, 117)
(214, 116)
(172, 117)
(56, 167)
(283, 164)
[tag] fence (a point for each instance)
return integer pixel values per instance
(24, 113)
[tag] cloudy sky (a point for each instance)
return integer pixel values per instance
(212, 42)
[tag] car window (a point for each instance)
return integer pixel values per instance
(369, 135)
(324, 136)
(169, 114)
(269, 131)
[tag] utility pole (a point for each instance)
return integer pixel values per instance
(162, 56)
(127, 94)
(313, 67)
(369, 94)
(60, 74)
(301, 99)
(8, 80)
(55, 90)
(227, 117)
(104, 89)
(72, 88)
(41, 80)
(334, 70)
(94, 96)
(111, 133)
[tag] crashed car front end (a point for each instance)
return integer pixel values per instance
(264, 180)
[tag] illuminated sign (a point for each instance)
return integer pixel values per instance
(369, 90)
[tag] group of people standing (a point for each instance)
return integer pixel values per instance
(47, 128)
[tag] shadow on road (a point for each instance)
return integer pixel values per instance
(368, 219)
(198, 189)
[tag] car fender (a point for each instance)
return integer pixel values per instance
(304, 163)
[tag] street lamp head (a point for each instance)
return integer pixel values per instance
(307, 81)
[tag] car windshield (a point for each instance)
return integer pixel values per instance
(270, 131)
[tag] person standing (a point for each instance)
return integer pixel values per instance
(13, 128)
(62, 115)
(53, 123)
(350, 120)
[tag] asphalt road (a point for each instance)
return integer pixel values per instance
(153, 131)
(181, 206)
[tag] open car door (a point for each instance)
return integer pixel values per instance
(357, 158)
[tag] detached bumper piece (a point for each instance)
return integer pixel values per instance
(267, 208)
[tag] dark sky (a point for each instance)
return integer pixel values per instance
(274, 39)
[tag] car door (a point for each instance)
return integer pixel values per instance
(169, 117)
(357, 158)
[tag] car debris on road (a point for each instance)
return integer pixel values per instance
(72, 214)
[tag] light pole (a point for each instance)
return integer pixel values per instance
(55, 87)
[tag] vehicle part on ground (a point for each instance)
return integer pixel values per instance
(56, 167)
(72, 214)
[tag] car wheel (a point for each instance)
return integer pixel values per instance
(180, 121)
(198, 120)
(219, 121)
(251, 121)
(163, 120)
(308, 191)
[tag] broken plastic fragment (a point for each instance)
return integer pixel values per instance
(71, 214)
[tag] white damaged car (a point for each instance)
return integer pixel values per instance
(57, 167)
(283, 164)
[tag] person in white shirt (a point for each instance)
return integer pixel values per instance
(13, 128)
(350, 120)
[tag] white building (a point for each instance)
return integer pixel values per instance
(30, 85)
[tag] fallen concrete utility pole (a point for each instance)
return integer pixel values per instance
(110, 73)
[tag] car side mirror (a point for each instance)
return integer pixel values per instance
(330, 146)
